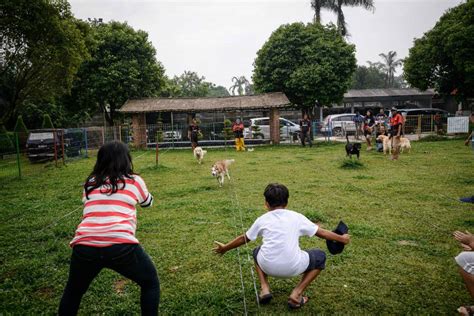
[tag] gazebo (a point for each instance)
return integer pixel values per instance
(138, 108)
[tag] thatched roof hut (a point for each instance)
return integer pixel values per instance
(207, 104)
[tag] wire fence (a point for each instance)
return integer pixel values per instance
(23, 154)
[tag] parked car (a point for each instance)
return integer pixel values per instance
(40, 144)
(336, 124)
(423, 111)
(287, 128)
(171, 135)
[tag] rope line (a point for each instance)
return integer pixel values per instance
(236, 201)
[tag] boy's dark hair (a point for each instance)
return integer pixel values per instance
(276, 194)
(113, 165)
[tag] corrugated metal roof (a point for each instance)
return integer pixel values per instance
(250, 102)
(386, 94)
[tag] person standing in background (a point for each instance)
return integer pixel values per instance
(238, 129)
(305, 127)
(193, 133)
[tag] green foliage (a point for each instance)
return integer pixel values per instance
(122, 66)
(20, 126)
(189, 84)
(227, 131)
(47, 123)
(308, 63)
(6, 143)
(368, 78)
(443, 57)
(352, 164)
(217, 91)
(42, 49)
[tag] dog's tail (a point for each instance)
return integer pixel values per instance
(229, 161)
(347, 138)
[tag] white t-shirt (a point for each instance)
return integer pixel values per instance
(280, 254)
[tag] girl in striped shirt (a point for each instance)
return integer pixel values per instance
(105, 238)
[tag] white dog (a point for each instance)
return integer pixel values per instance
(221, 169)
(199, 154)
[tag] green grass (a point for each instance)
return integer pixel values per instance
(400, 215)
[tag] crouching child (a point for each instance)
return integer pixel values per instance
(280, 254)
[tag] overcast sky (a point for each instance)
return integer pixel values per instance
(219, 39)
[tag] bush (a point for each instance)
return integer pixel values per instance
(22, 131)
(47, 123)
(6, 143)
(227, 131)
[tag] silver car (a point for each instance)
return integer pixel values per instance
(338, 124)
(287, 128)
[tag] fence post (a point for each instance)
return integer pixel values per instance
(120, 132)
(55, 149)
(103, 135)
(419, 127)
(85, 140)
(17, 143)
(157, 150)
(62, 147)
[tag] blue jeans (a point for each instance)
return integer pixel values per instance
(130, 260)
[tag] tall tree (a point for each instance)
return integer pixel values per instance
(317, 5)
(41, 50)
(368, 78)
(390, 65)
(308, 63)
(123, 66)
(444, 57)
(189, 84)
(217, 91)
(241, 84)
(337, 5)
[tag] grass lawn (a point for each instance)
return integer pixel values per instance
(400, 215)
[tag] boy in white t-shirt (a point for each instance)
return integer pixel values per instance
(280, 254)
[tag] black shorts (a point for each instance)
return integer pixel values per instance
(317, 258)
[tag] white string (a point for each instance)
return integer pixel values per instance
(237, 202)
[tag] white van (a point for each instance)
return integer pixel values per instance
(287, 128)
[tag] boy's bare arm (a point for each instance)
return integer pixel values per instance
(237, 242)
(329, 235)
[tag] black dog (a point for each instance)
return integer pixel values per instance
(352, 149)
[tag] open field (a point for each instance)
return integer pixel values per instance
(400, 214)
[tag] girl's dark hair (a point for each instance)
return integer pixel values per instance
(113, 165)
(276, 195)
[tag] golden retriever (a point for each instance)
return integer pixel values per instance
(199, 154)
(221, 169)
(387, 144)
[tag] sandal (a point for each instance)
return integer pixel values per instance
(265, 299)
(468, 310)
(303, 301)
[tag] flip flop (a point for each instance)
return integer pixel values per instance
(301, 303)
(265, 299)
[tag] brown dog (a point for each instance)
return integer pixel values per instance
(221, 169)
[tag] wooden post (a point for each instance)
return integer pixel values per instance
(55, 149)
(156, 155)
(139, 130)
(120, 132)
(62, 146)
(274, 126)
(419, 127)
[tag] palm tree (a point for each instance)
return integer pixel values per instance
(336, 6)
(241, 84)
(390, 63)
(317, 5)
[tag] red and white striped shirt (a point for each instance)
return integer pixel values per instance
(110, 219)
